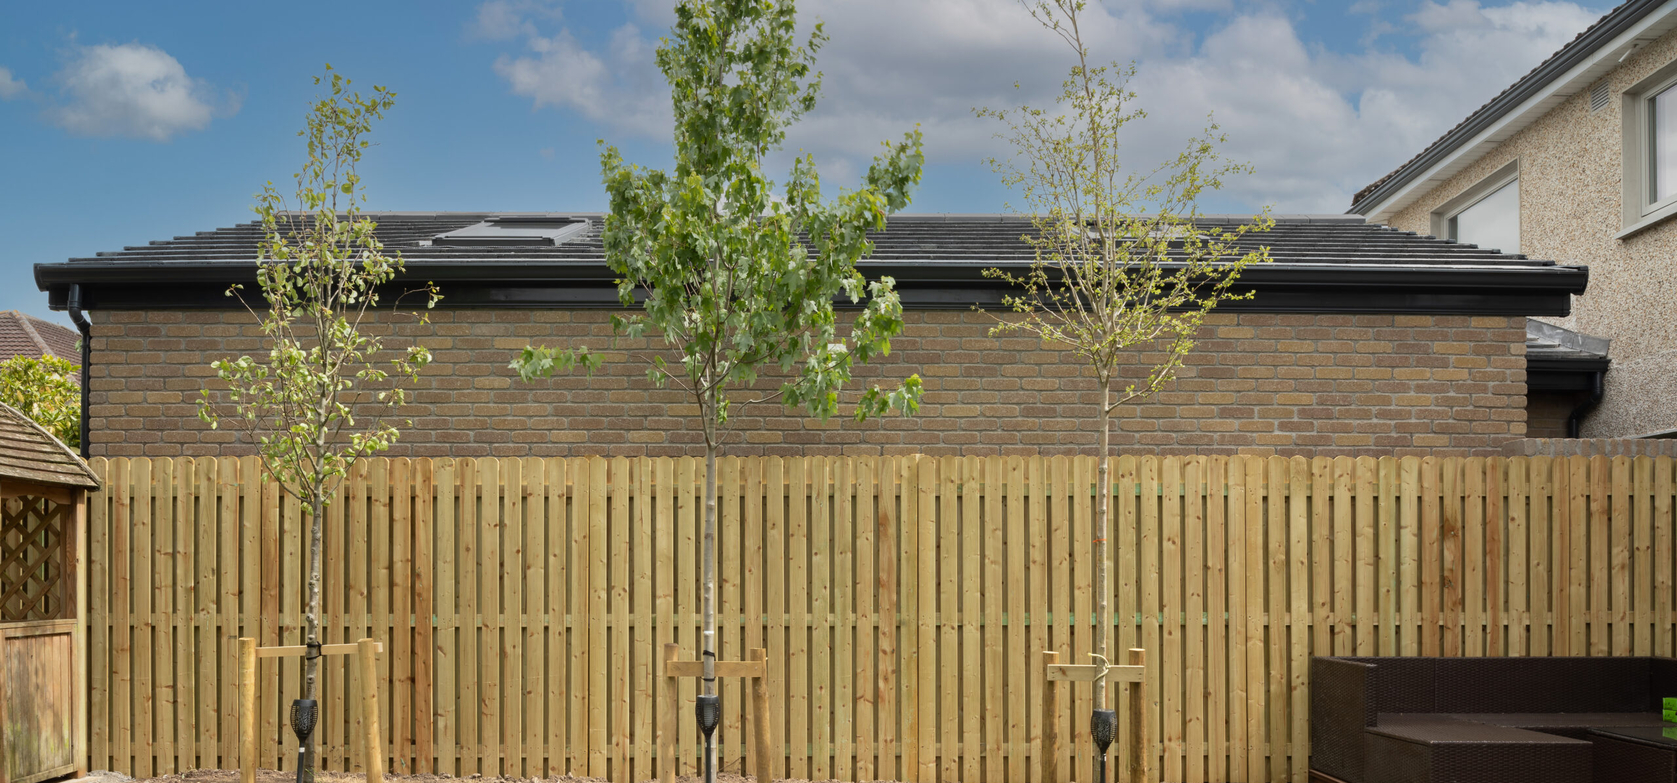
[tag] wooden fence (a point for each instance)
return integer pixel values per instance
(903, 601)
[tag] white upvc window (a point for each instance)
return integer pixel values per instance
(1491, 222)
(1649, 151)
(1486, 214)
(1662, 149)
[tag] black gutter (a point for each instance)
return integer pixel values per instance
(1605, 30)
(1280, 287)
(73, 303)
(53, 277)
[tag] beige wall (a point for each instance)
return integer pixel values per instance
(1258, 384)
(1570, 191)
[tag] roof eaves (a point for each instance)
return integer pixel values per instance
(1605, 31)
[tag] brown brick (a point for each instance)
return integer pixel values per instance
(1293, 384)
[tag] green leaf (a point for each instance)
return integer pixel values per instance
(715, 259)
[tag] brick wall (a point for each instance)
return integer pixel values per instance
(1547, 413)
(1286, 384)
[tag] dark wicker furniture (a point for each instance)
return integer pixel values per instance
(1426, 720)
(1635, 755)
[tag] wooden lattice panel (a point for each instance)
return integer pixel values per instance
(33, 539)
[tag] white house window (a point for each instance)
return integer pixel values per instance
(1649, 154)
(1493, 221)
(1662, 146)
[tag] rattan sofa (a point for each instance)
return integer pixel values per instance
(1487, 720)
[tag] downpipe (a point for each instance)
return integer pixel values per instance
(73, 304)
(1575, 421)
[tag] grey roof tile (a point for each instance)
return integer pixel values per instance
(908, 240)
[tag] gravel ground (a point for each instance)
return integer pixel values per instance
(273, 776)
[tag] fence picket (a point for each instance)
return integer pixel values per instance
(1170, 601)
(1662, 559)
(818, 474)
(524, 600)
(1194, 622)
(971, 537)
(1241, 609)
(1534, 481)
(868, 678)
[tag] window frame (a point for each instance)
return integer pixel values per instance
(1447, 212)
(1639, 210)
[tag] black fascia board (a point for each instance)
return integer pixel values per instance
(1559, 380)
(1302, 288)
(1565, 373)
(1619, 20)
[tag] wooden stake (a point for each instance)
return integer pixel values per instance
(247, 709)
(1049, 753)
(1140, 753)
(672, 705)
(760, 755)
(761, 721)
(369, 711)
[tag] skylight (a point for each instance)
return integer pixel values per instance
(516, 231)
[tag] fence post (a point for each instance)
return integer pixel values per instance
(1050, 750)
(247, 709)
(761, 722)
(369, 708)
(1139, 753)
(667, 731)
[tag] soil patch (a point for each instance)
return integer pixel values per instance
(275, 776)
(322, 776)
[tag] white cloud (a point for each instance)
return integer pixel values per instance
(619, 86)
(1317, 125)
(10, 86)
(132, 90)
(499, 20)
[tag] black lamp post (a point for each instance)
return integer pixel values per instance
(304, 714)
(709, 709)
(1103, 726)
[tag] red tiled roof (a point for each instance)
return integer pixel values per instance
(26, 335)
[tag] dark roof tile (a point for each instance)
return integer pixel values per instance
(909, 239)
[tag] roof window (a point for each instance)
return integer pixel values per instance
(515, 231)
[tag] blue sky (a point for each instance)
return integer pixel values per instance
(124, 122)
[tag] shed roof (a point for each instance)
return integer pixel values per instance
(29, 453)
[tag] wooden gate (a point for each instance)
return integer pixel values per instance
(43, 637)
(40, 638)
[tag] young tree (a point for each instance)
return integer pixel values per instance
(324, 395)
(44, 389)
(1121, 266)
(737, 279)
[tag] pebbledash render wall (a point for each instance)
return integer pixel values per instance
(1258, 384)
(1570, 194)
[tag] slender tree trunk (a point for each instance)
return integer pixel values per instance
(708, 571)
(311, 627)
(708, 592)
(1103, 500)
